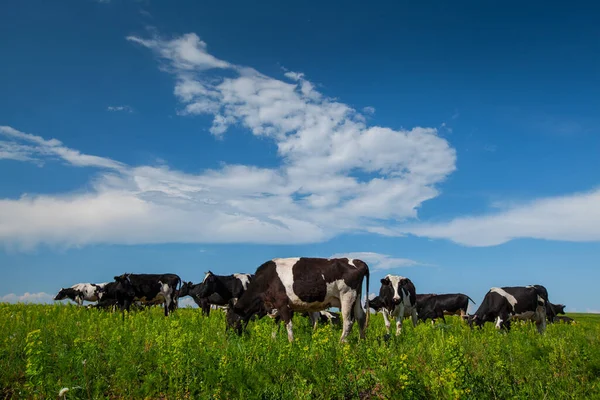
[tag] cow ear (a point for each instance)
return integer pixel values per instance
(385, 281)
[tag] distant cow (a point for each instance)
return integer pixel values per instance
(399, 300)
(506, 303)
(81, 292)
(291, 285)
(555, 309)
(226, 287)
(437, 305)
(147, 288)
(193, 290)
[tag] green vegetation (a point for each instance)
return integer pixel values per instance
(45, 348)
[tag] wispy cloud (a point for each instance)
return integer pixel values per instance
(27, 297)
(22, 146)
(126, 109)
(377, 261)
(369, 110)
(574, 217)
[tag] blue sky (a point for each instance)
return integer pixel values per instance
(456, 144)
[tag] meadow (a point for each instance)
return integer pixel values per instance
(45, 348)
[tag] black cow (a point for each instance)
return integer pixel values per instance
(193, 290)
(291, 285)
(506, 303)
(147, 288)
(564, 319)
(227, 287)
(437, 305)
(399, 300)
(554, 310)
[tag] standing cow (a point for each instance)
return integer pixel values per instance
(193, 290)
(506, 303)
(399, 300)
(438, 305)
(291, 285)
(223, 288)
(81, 292)
(147, 288)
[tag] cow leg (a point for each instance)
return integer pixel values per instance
(347, 303)
(361, 316)
(415, 317)
(399, 314)
(386, 319)
(540, 316)
(314, 318)
(286, 315)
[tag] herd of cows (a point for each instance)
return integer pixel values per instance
(282, 286)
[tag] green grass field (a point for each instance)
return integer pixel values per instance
(45, 348)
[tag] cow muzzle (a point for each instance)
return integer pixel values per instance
(396, 300)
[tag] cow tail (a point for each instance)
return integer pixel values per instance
(471, 300)
(368, 311)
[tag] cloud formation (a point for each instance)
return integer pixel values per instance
(125, 108)
(336, 173)
(27, 297)
(574, 217)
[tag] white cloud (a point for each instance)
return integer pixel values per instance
(40, 297)
(369, 110)
(336, 174)
(377, 261)
(125, 108)
(27, 147)
(573, 217)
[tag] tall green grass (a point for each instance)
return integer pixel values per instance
(44, 348)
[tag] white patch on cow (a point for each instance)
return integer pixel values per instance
(323, 276)
(206, 276)
(244, 278)
(498, 322)
(541, 299)
(90, 292)
(511, 299)
(334, 290)
(351, 262)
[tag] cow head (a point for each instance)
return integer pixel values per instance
(391, 290)
(559, 308)
(62, 294)
(185, 289)
(68, 293)
(124, 285)
(208, 285)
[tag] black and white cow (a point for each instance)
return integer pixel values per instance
(514, 302)
(228, 287)
(399, 300)
(555, 310)
(438, 305)
(290, 285)
(193, 290)
(147, 288)
(81, 292)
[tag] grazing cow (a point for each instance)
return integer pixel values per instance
(108, 296)
(555, 310)
(227, 287)
(399, 300)
(291, 285)
(437, 305)
(80, 292)
(147, 288)
(193, 290)
(376, 303)
(516, 302)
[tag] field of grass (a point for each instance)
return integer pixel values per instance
(45, 348)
